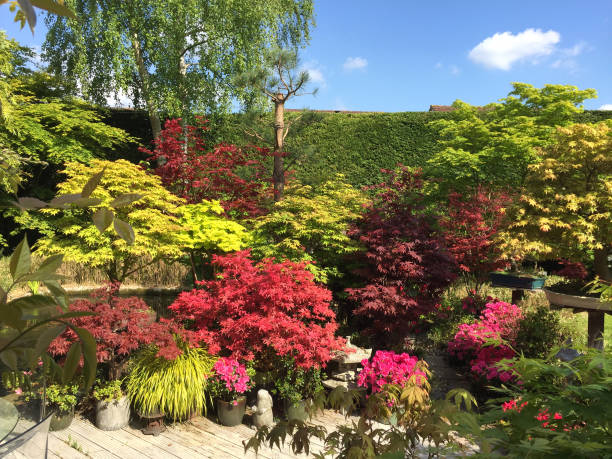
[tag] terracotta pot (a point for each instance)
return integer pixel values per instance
(231, 413)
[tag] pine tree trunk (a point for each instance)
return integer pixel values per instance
(278, 174)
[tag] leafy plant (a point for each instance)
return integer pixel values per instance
(387, 367)
(126, 198)
(62, 397)
(258, 311)
(405, 266)
(230, 380)
(559, 410)
(310, 224)
(565, 210)
(108, 390)
(233, 176)
(539, 332)
(176, 387)
(295, 384)
(119, 326)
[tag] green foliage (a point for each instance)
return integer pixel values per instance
(207, 231)
(142, 219)
(495, 144)
(413, 420)
(539, 332)
(310, 224)
(579, 391)
(175, 387)
(108, 390)
(566, 209)
(295, 384)
(62, 397)
(29, 323)
(443, 323)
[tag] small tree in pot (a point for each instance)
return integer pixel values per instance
(228, 385)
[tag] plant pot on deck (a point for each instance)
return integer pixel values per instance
(113, 414)
(296, 411)
(516, 281)
(61, 420)
(231, 413)
(155, 422)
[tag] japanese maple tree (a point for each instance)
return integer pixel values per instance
(406, 266)
(119, 327)
(234, 176)
(260, 311)
(469, 228)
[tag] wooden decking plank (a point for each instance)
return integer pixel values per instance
(168, 446)
(93, 449)
(64, 450)
(106, 440)
(212, 444)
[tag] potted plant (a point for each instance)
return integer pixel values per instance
(228, 385)
(112, 406)
(170, 385)
(62, 398)
(519, 279)
(298, 387)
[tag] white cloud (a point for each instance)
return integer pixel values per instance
(454, 70)
(566, 57)
(502, 50)
(315, 72)
(605, 107)
(354, 63)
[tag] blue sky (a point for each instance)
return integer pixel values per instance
(399, 55)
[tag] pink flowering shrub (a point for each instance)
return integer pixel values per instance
(387, 367)
(230, 379)
(488, 341)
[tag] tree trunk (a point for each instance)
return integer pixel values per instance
(600, 264)
(278, 174)
(146, 86)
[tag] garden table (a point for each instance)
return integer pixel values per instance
(8, 418)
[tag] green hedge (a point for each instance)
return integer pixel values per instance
(358, 145)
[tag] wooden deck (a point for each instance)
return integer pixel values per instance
(197, 438)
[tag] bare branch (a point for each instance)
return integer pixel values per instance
(255, 134)
(289, 125)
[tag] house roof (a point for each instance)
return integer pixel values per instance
(441, 108)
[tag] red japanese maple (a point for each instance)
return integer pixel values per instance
(406, 267)
(261, 311)
(120, 326)
(234, 176)
(469, 230)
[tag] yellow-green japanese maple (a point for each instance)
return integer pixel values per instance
(135, 197)
(566, 209)
(310, 224)
(206, 231)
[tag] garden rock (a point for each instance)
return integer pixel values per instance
(262, 412)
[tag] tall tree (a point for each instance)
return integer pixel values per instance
(279, 81)
(171, 57)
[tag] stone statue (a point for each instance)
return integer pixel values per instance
(262, 412)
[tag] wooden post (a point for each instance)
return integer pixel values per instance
(596, 329)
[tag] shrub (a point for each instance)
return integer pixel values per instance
(119, 326)
(229, 380)
(559, 410)
(539, 332)
(294, 384)
(488, 341)
(387, 367)
(405, 265)
(236, 177)
(310, 224)
(261, 311)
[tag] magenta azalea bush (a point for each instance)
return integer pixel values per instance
(488, 341)
(387, 367)
(230, 379)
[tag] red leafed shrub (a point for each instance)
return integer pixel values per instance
(469, 229)
(120, 326)
(236, 177)
(572, 270)
(406, 267)
(261, 311)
